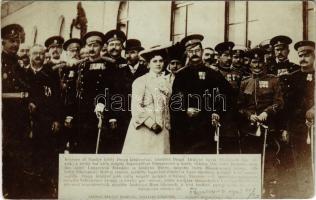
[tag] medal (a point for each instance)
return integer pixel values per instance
(5, 76)
(309, 77)
(202, 75)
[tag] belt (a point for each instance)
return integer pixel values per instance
(15, 95)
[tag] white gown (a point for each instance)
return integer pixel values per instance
(150, 104)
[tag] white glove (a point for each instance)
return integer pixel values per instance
(99, 108)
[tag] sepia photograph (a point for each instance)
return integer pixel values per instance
(158, 99)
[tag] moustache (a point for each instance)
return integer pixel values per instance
(194, 56)
(23, 57)
(303, 62)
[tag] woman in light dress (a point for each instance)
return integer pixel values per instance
(148, 131)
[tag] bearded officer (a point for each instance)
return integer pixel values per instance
(14, 114)
(193, 90)
(54, 45)
(95, 86)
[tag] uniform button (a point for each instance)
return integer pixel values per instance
(98, 82)
(100, 75)
(81, 76)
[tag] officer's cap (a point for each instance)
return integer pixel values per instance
(280, 40)
(224, 46)
(92, 37)
(11, 31)
(305, 45)
(192, 40)
(256, 53)
(265, 44)
(133, 44)
(154, 51)
(54, 41)
(115, 35)
(71, 41)
(240, 50)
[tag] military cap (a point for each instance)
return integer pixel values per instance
(11, 31)
(133, 44)
(256, 53)
(280, 40)
(175, 52)
(115, 35)
(238, 49)
(265, 44)
(54, 41)
(224, 46)
(191, 40)
(71, 41)
(155, 50)
(305, 45)
(93, 36)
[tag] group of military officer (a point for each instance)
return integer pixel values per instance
(56, 102)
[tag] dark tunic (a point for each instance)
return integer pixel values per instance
(95, 84)
(197, 87)
(15, 127)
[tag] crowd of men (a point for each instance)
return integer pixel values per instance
(50, 93)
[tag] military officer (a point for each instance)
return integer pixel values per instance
(95, 85)
(115, 40)
(14, 114)
(54, 45)
(260, 100)
(68, 88)
(238, 53)
(269, 57)
(45, 109)
(283, 68)
(193, 90)
(232, 73)
(302, 117)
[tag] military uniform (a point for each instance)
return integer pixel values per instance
(196, 134)
(229, 141)
(15, 126)
(283, 70)
(260, 94)
(257, 95)
(302, 100)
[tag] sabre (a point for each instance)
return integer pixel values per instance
(216, 136)
(310, 140)
(263, 152)
(99, 133)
